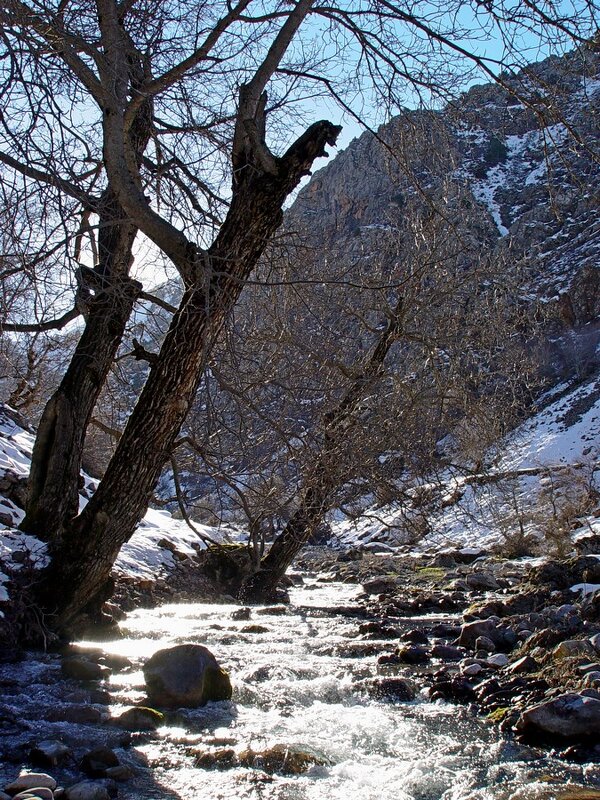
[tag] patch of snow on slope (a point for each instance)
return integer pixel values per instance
(559, 434)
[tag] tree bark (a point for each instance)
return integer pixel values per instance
(108, 295)
(83, 558)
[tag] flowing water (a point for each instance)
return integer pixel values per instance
(300, 684)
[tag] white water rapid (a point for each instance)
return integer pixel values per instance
(297, 685)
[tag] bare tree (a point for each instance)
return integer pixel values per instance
(153, 118)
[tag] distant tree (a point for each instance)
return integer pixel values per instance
(128, 120)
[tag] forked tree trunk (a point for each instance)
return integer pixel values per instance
(53, 498)
(82, 560)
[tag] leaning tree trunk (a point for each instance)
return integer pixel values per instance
(108, 295)
(324, 476)
(83, 559)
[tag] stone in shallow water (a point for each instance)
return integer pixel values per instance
(140, 718)
(49, 753)
(30, 780)
(281, 759)
(82, 670)
(570, 716)
(87, 790)
(39, 793)
(186, 675)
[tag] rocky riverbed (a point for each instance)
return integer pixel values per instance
(441, 675)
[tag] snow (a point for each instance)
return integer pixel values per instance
(586, 589)
(148, 554)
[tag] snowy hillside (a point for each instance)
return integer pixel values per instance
(549, 461)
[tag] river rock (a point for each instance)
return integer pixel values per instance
(97, 761)
(380, 585)
(87, 790)
(595, 642)
(140, 718)
(524, 664)
(82, 670)
(482, 580)
(573, 648)
(447, 652)
(39, 793)
(186, 675)
(497, 660)
(570, 716)
(591, 680)
(393, 689)
(414, 654)
(241, 614)
(471, 631)
(281, 759)
(79, 715)
(30, 780)
(49, 753)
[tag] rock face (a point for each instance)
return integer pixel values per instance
(187, 675)
(570, 716)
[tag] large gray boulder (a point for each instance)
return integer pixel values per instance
(570, 716)
(187, 675)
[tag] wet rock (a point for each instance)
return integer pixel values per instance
(272, 611)
(378, 630)
(241, 614)
(97, 761)
(415, 636)
(87, 790)
(414, 654)
(280, 759)
(380, 585)
(30, 780)
(472, 631)
(83, 670)
(570, 716)
(254, 629)
(447, 652)
(49, 753)
(140, 718)
(393, 689)
(186, 675)
(216, 759)
(595, 642)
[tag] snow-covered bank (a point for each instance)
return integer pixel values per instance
(150, 555)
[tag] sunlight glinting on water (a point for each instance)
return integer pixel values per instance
(294, 685)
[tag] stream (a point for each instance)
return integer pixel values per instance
(297, 684)
(300, 683)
